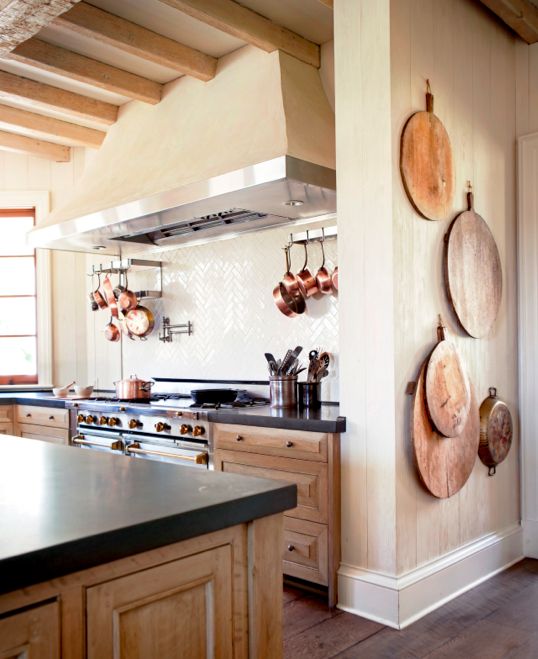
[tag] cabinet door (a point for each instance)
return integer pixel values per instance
(310, 478)
(33, 634)
(44, 433)
(183, 609)
(6, 428)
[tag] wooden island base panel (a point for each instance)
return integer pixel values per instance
(310, 460)
(216, 595)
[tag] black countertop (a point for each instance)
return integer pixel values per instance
(326, 419)
(63, 509)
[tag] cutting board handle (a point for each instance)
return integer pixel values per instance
(429, 97)
(440, 329)
(470, 196)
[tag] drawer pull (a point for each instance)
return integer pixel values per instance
(289, 444)
(291, 548)
(28, 414)
(239, 438)
(51, 418)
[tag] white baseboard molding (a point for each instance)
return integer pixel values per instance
(400, 601)
(530, 538)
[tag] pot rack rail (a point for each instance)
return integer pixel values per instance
(314, 235)
(122, 266)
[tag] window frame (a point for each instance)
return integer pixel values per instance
(39, 201)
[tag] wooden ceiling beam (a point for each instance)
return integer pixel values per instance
(520, 15)
(21, 19)
(46, 97)
(245, 24)
(130, 38)
(37, 125)
(328, 3)
(45, 56)
(27, 145)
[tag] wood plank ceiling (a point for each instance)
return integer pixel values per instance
(66, 66)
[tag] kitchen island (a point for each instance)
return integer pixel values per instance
(99, 553)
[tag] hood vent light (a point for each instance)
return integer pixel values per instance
(195, 226)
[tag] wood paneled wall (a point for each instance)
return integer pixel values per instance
(20, 172)
(470, 59)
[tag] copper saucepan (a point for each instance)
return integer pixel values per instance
(127, 300)
(334, 278)
(289, 280)
(112, 332)
(286, 294)
(306, 280)
(98, 296)
(290, 305)
(323, 278)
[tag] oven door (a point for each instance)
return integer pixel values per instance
(99, 440)
(188, 454)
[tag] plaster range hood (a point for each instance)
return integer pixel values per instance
(252, 149)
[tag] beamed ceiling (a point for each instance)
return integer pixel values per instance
(66, 66)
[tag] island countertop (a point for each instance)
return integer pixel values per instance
(64, 510)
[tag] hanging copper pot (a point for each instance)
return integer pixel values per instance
(495, 431)
(306, 280)
(323, 278)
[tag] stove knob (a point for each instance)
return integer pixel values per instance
(198, 430)
(185, 429)
(81, 418)
(114, 421)
(90, 419)
(134, 423)
(103, 421)
(160, 426)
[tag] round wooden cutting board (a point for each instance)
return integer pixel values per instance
(444, 463)
(473, 272)
(426, 164)
(448, 392)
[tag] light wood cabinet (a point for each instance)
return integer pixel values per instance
(216, 595)
(6, 420)
(50, 424)
(31, 634)
(311, 546)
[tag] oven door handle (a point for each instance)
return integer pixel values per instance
(115, 445)
(199, 459)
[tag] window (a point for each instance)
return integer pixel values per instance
(18, 300)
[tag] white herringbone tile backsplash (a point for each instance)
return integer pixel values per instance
(225, 289)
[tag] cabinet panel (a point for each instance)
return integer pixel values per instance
(45, 433)
(182, 609)
(6, 413)
(306, 550)
(43, 416)
(269, 441)
(310, 478)
(6, 428)
(32, 634)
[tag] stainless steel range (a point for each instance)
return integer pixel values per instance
(168, 427)
(165, 429)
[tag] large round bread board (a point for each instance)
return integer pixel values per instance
(473, 273)
(426, 165)
(443, 463)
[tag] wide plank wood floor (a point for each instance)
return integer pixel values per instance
(497, 619)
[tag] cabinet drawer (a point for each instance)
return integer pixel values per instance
(271, 441)
(46, 434)
(43, 416)
(310, 478)
(306, 550)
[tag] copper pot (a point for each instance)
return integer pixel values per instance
(112, 333)
(306, 280)
(289, 280)
(127, 300)
(133, 388)
(323, 278)
(334, 278)
(98, 296)
(290, 305)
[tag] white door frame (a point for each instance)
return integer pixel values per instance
(528, 335)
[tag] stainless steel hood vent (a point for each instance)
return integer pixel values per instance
(197, 226)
